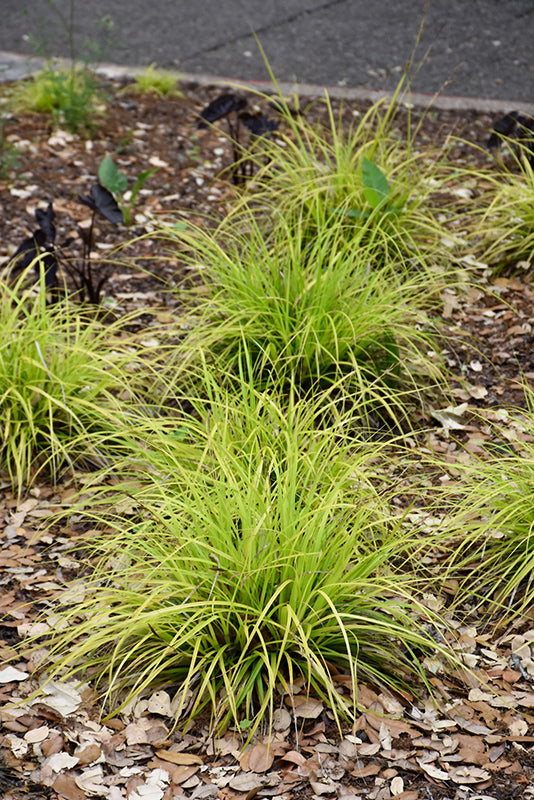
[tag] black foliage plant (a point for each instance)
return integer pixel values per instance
(259, 124)
(220, 107)
(102, 202)
(233, 108)
(40, 245)
(27, 251)
(50, 266)
(516, 127)
(45, 220)
(41, 248)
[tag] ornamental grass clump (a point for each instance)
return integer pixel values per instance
(307, 312)
(367, 172)
(72, 97)
(493, 562)
(259, 554)
(67, 383)
(505, 231)
(153, 80)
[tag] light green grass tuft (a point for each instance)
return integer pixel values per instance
(307, 312)
(493, 523)
(259, 553)
(365, 171)
(71, 97)
(67, 383)
(505, 230)
(153, 80)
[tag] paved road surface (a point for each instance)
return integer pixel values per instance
(476, 48)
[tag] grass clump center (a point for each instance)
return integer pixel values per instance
(308, 313)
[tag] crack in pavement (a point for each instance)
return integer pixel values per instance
(265, 28)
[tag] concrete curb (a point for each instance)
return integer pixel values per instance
(14, 66)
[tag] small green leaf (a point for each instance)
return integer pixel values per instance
(180, 434)
(112, 178)
(143, 176)
(376, 186)
(353, 213)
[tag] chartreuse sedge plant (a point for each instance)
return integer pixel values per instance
(306, 312)
(494, 522)
(153, 80)
(259, 553)
(67, 381)
(380, 183)
(504, 232)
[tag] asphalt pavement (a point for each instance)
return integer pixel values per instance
(481, 50)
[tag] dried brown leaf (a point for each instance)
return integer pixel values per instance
(307, 707)
(36, 735)
(245, 782)
(184, 759)
(66, 788)
(433, 772)
(385, 737)
(226, 745)
(294, 757)
(91, 781)
(53, 745)
(467, 774)
(369, 749)
(367, 771)
(324, 788)
(160, 703)
(281, 719)
(86, 754)
(261, 758)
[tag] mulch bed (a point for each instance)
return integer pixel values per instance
(474, 743)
